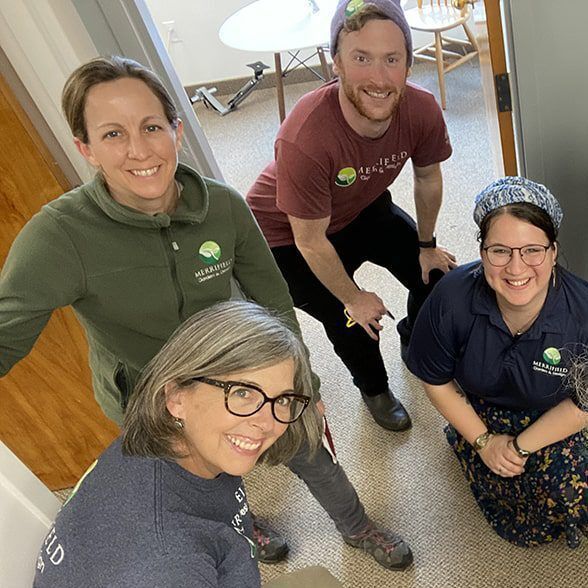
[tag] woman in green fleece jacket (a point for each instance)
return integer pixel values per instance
(139, 249)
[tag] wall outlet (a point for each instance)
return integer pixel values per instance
(172, 35)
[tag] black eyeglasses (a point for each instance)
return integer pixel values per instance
(532, 255)
(246, 399)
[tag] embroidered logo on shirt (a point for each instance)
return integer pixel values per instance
(552, 356)
(550, 364)
(345, 177)
(209, 252)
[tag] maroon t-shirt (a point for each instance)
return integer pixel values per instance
(324, 168)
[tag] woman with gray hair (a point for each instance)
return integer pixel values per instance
(165, 504)
(494, 345)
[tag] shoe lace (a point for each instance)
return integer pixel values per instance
(259, 536)
(383, 539)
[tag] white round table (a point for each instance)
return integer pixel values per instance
(282, 26)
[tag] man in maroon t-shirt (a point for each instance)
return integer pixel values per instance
(323, 204)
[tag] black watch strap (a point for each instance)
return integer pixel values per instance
(428, 244)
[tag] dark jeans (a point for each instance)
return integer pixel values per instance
(382, 234)
(329, 484)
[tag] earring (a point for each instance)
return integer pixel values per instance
(553, 275)
(179, 423)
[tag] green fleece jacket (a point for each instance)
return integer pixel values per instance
(130, 277)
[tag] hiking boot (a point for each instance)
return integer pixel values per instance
(271, 546)
(387, 548)
(388, 411)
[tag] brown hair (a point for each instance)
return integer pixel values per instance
(226, 338)
(108, 69)
(525, 211)
(360, 18)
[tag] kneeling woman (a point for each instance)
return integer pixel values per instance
(491, 346)
(165, 504)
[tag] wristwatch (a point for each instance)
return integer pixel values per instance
(521, 452)
(429, 244)
(481, 441)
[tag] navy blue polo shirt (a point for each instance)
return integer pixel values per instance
(460, 335)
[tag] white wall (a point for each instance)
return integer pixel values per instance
(200, 56)
(27, 510)
(45, 41)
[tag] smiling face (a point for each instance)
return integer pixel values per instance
(132, 143)
(371, 65)
(517, 285)
(216, 440)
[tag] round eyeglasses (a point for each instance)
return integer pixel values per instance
(532, 255)
(246, 399)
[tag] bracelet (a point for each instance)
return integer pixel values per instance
(517, 448)
(482, 440)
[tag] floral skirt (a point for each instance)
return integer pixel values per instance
(549, 500)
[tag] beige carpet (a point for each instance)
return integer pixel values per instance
(407, 481)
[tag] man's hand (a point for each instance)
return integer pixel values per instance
(367, 309)
(435, 258)
(501, 458)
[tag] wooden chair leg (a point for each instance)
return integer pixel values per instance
(440, 68)
(471, 37)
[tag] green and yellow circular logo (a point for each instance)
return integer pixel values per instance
(209, 252)
(552, 356)
(345, 177)
(353, 7)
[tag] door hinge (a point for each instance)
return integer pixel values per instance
(503, 98)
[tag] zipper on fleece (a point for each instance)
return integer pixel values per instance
(170, 247)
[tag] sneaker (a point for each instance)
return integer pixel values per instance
(388, 411)
(387, 548)
(271, 546)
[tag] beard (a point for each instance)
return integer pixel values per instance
(356, 95)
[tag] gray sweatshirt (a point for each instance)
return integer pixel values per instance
(148, 522)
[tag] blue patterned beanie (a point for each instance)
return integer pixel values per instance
(516, 189)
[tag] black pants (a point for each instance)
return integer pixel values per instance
(382, 234)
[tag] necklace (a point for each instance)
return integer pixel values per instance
(517, 332)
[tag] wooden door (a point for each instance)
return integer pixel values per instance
(48, 416)
(497, 66)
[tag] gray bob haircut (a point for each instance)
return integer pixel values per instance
(223, 339)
